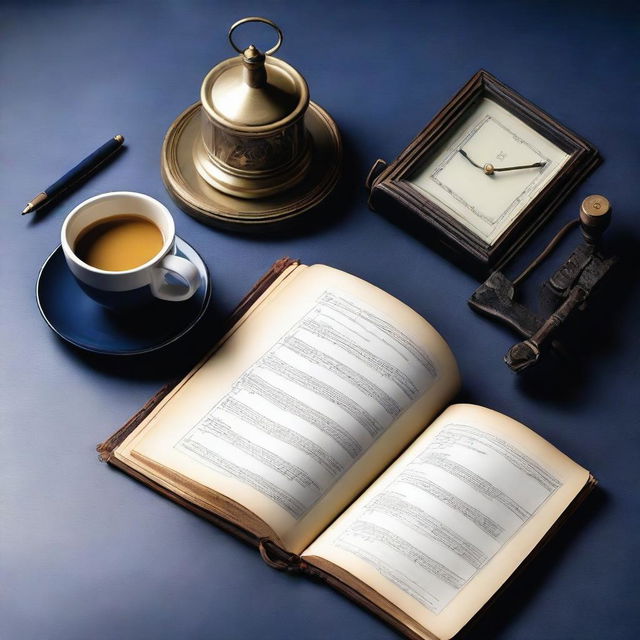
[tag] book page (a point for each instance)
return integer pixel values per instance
(447, 524)
(305, 403)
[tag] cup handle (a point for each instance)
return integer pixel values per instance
(180, 268)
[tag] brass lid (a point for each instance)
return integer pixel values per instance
(253, 92)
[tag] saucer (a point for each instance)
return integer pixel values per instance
(78, 319)
(196, 197)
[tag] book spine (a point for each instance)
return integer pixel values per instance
(278, 558)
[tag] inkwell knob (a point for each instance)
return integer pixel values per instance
(253, 60)
(254, 89)
(255, 75)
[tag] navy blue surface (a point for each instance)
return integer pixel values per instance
(86, 552)
(84, 323)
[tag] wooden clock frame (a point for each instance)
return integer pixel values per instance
(393, 195)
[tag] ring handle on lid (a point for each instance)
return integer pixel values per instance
(235, 25)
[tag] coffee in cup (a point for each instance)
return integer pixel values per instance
(119, 243)
(120, 247)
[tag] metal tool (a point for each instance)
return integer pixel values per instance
(567, 290)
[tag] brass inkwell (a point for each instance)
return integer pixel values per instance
(255, 150)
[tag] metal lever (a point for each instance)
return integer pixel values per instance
(565, 291)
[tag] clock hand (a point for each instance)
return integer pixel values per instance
(522, 166)
(489, 169)
(464, 154)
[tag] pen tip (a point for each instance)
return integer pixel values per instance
(119, 138)
(27, 209)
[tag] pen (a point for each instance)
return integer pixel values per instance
(80, 171)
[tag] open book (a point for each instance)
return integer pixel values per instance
(318, 429)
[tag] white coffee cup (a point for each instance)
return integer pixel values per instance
(122, 290)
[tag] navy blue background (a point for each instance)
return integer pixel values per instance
(87, 552)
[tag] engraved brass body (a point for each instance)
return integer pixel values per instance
(255, 143)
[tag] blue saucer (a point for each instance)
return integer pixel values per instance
(81, 321)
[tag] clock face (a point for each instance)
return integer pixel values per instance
(473, 175)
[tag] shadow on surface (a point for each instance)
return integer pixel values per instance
(328, 213)
(162, 365)
(591, 335)
(512, 601)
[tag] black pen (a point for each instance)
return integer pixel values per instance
(80, 171)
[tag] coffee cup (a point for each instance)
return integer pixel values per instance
(120, 247)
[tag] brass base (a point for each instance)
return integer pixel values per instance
(199, 199)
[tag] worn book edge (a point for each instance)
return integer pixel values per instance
(366, 597)
(271, 553)
(582, 495)
(105, 449)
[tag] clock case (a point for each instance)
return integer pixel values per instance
(393, 195)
